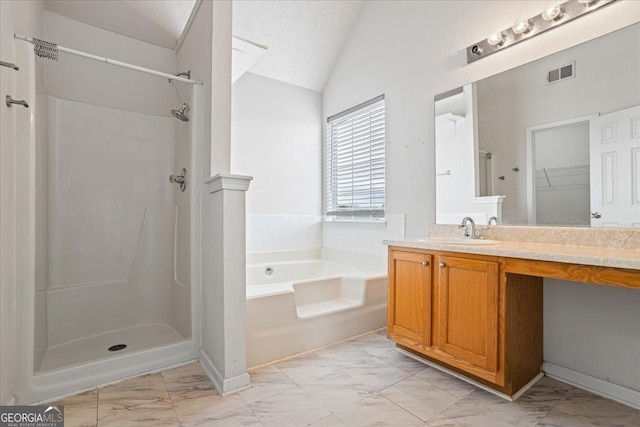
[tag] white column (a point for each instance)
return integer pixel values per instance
(223, 352)
(221, 88)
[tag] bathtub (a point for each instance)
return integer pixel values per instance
(295, 305)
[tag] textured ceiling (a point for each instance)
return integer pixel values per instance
(304, 38)
(159, 22)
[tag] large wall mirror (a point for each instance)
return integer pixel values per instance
(552, 142)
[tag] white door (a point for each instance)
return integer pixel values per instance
(615, 169)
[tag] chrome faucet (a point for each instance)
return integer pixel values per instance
(494, 219)
(469, 232)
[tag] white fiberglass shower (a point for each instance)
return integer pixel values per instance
(113, 208)
(106, 245)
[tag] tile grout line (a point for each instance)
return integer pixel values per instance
(314, 399)
(401, 408)
(459, 399)
(426, 382)
(173, 406)
(562, 399)
(97, 403)
(405, 378)
(249, 407)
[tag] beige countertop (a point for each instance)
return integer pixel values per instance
(573, 254)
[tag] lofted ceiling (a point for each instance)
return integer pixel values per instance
(159, 22)
(304, 38)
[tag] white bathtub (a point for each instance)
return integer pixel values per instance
(301, 304)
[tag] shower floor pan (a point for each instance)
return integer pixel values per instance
(97, 347)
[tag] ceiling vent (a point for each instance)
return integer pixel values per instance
(562, 73)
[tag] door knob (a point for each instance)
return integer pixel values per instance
(441, 265)
(596, 215)
(181, 180)
(425, 263)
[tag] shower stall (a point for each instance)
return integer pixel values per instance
(115, 285)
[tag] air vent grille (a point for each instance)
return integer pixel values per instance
(561, 73)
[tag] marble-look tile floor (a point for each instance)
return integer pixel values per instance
(362, 382)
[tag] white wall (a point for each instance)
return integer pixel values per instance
(421, 54)
(606, 80)
(194, 54)
(359, 241)
(594, 330)
(267, 233)
(276, 132)
(92, 82)
(15, 184)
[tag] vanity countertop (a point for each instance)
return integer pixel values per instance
(573, 254)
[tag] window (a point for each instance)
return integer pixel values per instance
(355, 148)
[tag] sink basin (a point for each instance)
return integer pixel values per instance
(458, 241)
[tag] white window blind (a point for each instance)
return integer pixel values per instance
(355, 150)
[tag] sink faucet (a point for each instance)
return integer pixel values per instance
(493, 219)
(469, 232)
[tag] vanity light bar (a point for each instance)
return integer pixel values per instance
(524, 29)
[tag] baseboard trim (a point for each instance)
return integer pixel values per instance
(621, 394)
(473, 382)
(224, 386)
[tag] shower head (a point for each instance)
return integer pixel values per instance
(179, 114)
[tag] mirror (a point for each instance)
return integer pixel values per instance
(552, 142)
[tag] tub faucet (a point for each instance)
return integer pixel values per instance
(469, 226)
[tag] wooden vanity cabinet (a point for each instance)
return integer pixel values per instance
(408, 319)
(465, 313)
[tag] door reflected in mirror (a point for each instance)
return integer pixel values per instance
(552, 142)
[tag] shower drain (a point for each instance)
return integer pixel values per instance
(117, 347)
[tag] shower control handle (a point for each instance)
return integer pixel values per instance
(11, 101)
(180, 179)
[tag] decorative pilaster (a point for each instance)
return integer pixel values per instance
(223, 350)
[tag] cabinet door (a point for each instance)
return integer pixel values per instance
(409, 310)
(468, 311)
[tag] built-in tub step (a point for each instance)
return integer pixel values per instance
(329, 307)
(318, 297)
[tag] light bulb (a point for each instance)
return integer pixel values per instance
(496, 39)
(522, 26)
(552, 13)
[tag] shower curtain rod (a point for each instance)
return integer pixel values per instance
(114, 62)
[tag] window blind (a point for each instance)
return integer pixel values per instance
(355, 153)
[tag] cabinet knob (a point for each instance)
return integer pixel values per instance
(425, 263)
(441, 265)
